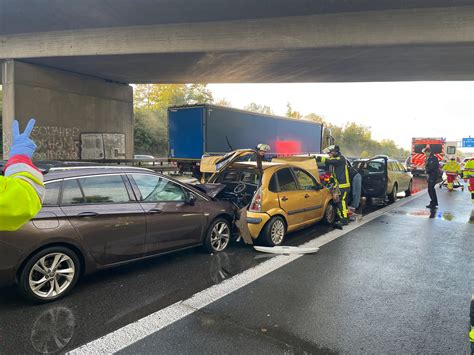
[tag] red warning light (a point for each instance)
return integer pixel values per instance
(287, 147)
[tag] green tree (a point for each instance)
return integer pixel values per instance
(315, 118)
(151, 132)
(151, 110)
(292, 114)
(198, 94)
(159, 97)
(223, 102)
(356, 140)
(254, 107)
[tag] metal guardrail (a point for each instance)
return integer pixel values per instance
(157, 164)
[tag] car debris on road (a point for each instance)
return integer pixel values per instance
(283, 249)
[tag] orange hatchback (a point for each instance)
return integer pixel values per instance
(274, 197)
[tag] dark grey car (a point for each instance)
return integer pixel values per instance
(98, 217)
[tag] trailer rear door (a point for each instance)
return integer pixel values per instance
(186, 127)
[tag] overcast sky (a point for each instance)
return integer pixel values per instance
(397, 111)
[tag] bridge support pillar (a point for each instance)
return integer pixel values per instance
(75, 114)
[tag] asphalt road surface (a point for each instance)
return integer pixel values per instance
(400, 284)
(109, 300)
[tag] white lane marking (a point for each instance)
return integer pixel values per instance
(134, 332)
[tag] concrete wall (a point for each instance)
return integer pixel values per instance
(65, 105)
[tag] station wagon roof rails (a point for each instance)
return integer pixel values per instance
(123, 167)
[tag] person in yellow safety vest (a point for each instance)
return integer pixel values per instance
(471, 338)
(471, 332)
(21, 187)
(452, 169)
(469, 174)
(339, 170)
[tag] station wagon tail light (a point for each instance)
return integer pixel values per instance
(256, 204)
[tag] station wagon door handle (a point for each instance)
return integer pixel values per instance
(88, 214)
(155, 211)
(284, 198)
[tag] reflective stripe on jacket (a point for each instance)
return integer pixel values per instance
(338, 168)
(21, 193)
(452, 167)
(469, 169)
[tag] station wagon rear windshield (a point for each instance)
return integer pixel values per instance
(372, 166)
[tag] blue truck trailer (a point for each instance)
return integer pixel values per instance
(196, 130)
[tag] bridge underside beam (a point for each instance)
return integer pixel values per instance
(400, 63)
(391, 45)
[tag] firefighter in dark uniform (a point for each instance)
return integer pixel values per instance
(339, 170)
(432, 169)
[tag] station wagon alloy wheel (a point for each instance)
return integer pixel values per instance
(220, 236)
(51, 275)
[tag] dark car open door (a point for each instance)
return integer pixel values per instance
(374, 176)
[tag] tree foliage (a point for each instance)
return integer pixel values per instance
(151, 105)
(259, 108)
(151, 132)
(223, 102)
(292, 114)
(355, 140)
(315, 118)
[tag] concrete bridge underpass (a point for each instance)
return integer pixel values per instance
(70, 66)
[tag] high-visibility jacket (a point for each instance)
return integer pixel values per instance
(339, 169)
(452, 167)
(469, 169)
(471, 315)
(21, 193)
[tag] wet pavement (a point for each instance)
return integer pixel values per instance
(106, 301)
(399, 284)
(110, 299)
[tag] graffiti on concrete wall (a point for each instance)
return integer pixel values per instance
(7, 142)
(68, 143)
(98, 146)
(56, 143)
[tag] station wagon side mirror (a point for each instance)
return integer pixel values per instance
(190, 198)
